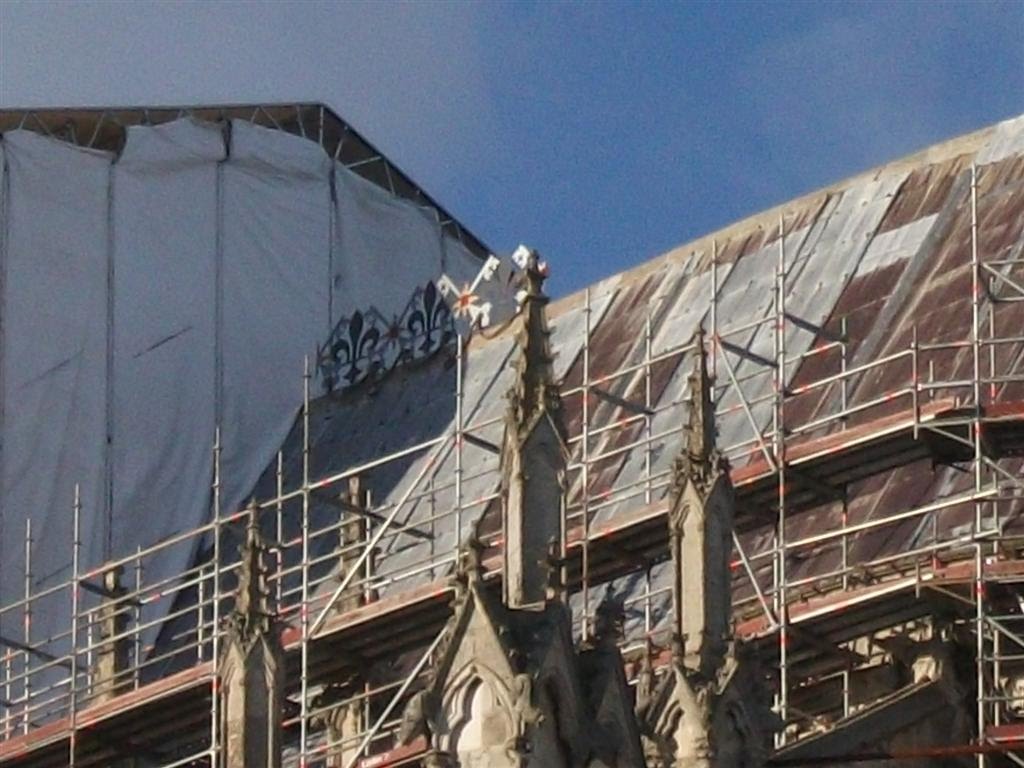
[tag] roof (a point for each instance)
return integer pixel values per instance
(873, 276)
(883, 257)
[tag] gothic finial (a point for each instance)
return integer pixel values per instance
(699, 457)
(701, 438)
(534, 388)
(252, 615)
(533, 454)
(700, 534)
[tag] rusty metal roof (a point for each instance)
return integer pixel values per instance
(873, 264)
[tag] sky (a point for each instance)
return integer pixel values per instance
(600, 133)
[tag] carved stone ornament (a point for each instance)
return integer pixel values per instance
(251, 668)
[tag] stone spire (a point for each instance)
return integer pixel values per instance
(700, 528)
(251, 666)
(533, 453)
(534, 390)
(252, 617)
(699, 461)
(705, 712)
(506, 686)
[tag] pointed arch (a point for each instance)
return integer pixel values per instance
(478, 711)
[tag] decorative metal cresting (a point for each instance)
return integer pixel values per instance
(366, 344)
(493, 296)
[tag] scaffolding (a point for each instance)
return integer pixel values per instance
(134, 672)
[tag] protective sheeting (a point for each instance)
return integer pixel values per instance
(745, 304)
(276, 209)
(1006, 140)
(371, 223)
(147, 299)
(420, 403)
(165, 250)
(459, 263)
(895, 246)
(54, 363)
(832, 238)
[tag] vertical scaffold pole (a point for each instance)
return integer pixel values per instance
(459, 426)
(648, 407)
(844, 403)
(780, 460)
(585, 474)
(369, 593)
(997, 674)
(979, 589)
(27, 629)
(976, 343)
(992, 348)
(279, 510)
(844, 386)
(200, 614)
(90, 620)
(979, 646)
(713, 310)
(76, 523)
(215, 575)
(648, 456)
(137, 638)
(915, 380)
(304, 612)
(7, 719)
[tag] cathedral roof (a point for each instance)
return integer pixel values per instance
(881, 260)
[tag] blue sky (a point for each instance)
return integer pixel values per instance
(601, 133)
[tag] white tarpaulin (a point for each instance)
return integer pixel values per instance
(54, 304)
(380, 237)
(165, 250)
(459, 263)
(146, 299)
(276, 210)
